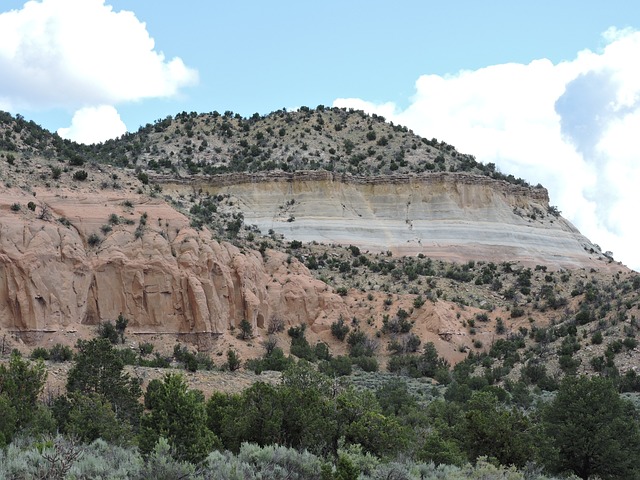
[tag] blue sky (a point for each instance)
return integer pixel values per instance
(259, 56)
(503, 80)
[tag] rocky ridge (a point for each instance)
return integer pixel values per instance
(450, 216)
(59, 272)
(187, 242)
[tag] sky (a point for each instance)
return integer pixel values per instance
(548, 90)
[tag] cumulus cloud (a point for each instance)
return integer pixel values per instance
(569, 126)
(94, 124)
(80, 53)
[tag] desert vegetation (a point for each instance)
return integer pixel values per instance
(313, 425)
(545, 384)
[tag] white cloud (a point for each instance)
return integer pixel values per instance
(80, 53)
(570, 126)
(94, 125)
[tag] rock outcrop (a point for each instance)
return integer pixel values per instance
(90, 257)
(450, 216)
(79, 257)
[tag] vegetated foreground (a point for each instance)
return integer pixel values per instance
(121, 277)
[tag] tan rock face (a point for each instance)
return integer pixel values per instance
(455, 217)
(169, 278)
(99, 254)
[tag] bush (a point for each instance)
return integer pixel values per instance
(144, 178)
(275, 325)
(339, 329)
(275, 361)
(146, 348)
(360, 345)
(246, 330)
(108, 330)
(179, 415)
(429, 364)
(300, 348)
(94, 239)
(400, 324)
(408, 344)
(368, 364)
(297, 332)
(60, 353)
(80, 175)
(418, 302)
(76, 160)
(157, 362)
(321, 351)
(121, 326)
(40, 353)
(233, 360)
(336, 367)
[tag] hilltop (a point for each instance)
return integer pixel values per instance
(188, 144)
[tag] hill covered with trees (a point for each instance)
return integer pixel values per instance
(392, 366)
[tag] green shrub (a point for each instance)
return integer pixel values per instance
(321, 351)
(300, 348)
(418, 301)
(144, 178)
(108, 330)
(360, 344)
(233, 360)
(275, 361)
(246, 330)
(80, 175)
(128, 356)
(146, 348)
(336, 367)
(94, 240)
(399, 324)
(339, 329)
(55, 172)
(366, 363)
(60, 353)
(40, 353)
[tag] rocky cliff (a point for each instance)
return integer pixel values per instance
(452, 216)
(91, 232)
(83, 257)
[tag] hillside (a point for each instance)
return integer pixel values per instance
(195, 223)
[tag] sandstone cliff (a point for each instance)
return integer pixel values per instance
(65, 269)
(451, 216)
